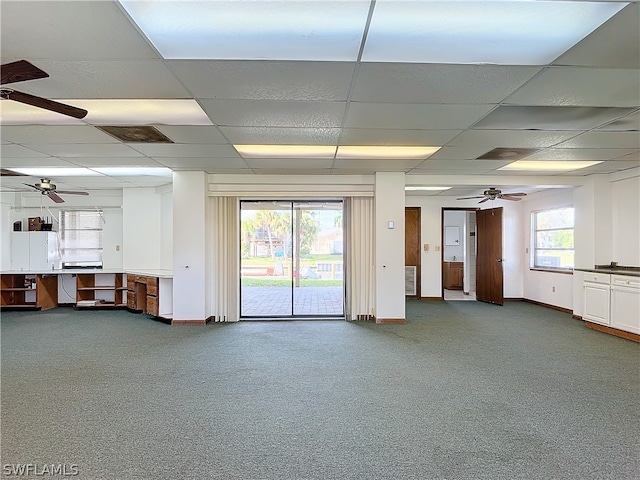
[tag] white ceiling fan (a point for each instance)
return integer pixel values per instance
(493, 193)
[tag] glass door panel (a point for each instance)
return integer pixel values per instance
(291, 259)
(318, 242)
(265, 264)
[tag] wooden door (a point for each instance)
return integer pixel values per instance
(489, 275)
(412, 241)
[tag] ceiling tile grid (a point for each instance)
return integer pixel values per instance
(375, 75)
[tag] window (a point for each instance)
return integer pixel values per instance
(81, 238)
(552, 232)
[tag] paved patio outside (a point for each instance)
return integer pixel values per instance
(276, 301)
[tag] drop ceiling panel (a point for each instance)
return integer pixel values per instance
(603, 139)
(202, 163)
(289, 171)
(17, 162)
(437, 83)
(610, 166)
(265, 80)
(414, 116)
(628, 123)
(376, 165)
(86, 150)
(18, 151)
(379, 136)
(33, 134)
(581, 86)
(281, 135)
(511, 117)
(615, 44)
(93, 162)
(106, 79)
(80, 30)
(290, 163)
(579, 154)
(632, 157)
(184, 150)
(469, 167)
(208, 134)
(510, 138)
(272, 113)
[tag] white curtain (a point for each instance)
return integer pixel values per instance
(360, 260)
(226, 270)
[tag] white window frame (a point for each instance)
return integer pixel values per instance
(69, 261)
(534, 247)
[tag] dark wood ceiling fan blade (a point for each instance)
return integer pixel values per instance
(47, 104)
(33, 186)
(469, 198)
(486, 199)
(55, 197)
(20, 71)
(516, 194)
(66, 192)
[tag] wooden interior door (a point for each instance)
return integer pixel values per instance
(412, 241)
(489, 275)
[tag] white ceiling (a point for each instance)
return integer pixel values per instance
(584, 105)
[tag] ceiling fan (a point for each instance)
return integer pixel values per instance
(494, 193)
(23, 70)
(49, 189)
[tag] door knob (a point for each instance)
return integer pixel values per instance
(499, 260)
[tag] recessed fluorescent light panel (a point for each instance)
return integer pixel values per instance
(286, 151)
(110, 112)
(426, 189)
(548, 166)
(56, 171)
(385, 152)
(521, 32)
(256, 30)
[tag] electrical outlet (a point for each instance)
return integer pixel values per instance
(437, 248)
(117, 248)
(553, 289)
(426, 247)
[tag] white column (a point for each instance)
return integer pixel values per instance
(389, 218)
(189, 247)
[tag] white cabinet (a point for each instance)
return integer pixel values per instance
(625, 303)
(34, 250)
(597, 287)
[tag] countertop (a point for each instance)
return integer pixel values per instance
(75, 271)
(629, 271)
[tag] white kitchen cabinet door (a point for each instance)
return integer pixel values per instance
(625, 304)
(596, 303)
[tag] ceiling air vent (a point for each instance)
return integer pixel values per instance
(136, 134)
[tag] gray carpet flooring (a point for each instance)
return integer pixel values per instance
(465, 390)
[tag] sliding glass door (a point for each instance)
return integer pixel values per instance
(291, 259)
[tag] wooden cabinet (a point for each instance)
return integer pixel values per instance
(101, 290)
(142, 294)
(29, 291)
(453, 275)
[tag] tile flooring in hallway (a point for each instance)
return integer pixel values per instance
(459, 295)
(276, 301)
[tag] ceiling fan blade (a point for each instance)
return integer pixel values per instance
(482, 201)
(20, 71)
(55, 197)
(33, 186)
(469, 198)
(66, 192)
(507, 197)
(46, 104)
(516, 194)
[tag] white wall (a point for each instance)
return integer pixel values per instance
(455, 218)
(389, 258)
(538, 285)
(142, 223)
(190, 226)
(166, 229)
(431, 233)
(625, 218)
